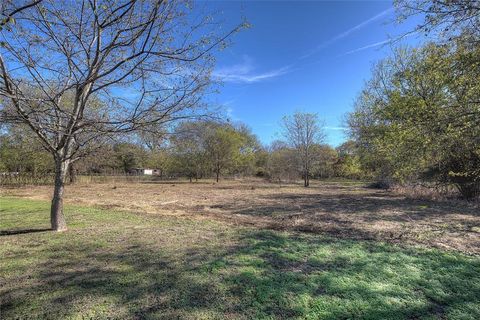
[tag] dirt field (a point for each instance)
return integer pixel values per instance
(345, 210)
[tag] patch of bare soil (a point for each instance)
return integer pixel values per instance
(339, 209)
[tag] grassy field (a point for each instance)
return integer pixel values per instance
(138, 264)
(341, 209)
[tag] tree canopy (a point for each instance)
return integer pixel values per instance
(419, 116)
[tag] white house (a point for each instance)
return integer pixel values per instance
(146, 172)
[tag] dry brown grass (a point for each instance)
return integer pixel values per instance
(340, 209)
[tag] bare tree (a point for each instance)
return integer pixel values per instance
(127, 64)
(448, 19)
(303, 131)
(7, 16)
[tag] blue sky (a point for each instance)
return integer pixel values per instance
(311, 56)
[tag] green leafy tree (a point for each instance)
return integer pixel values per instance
(249, 151)
(20, 152)
(188, 142)
(324, 160)
(348, 164)
(129, 156)
(419, 116)
(226, 148)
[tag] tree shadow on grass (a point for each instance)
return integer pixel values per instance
(288, 276)
(265, 274)
(131, 282)
(376, 215)
(22, 231)
(347, 203)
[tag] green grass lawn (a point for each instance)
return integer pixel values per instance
(113, 264)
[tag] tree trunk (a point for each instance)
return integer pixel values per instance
(218, 172)
(72, 174)
(307, 173)
(57, 218)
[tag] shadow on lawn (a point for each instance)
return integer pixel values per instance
(22, 231)
(266, 274)
(284, 203)
(352, 280)
(372, 216)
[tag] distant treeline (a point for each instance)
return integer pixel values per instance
(194, 150)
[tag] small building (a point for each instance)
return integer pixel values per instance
(145, 172)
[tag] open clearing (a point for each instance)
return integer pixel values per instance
(238, 250)
(342, 209)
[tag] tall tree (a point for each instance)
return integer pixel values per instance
(302, 131)
(129, 156)
(225, 147)
(419, 117)
(189, 147)
(146, 61)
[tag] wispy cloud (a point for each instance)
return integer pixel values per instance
(245, 72)
(377, 44)
(361, 25)
(368, 46)
(346, 33)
